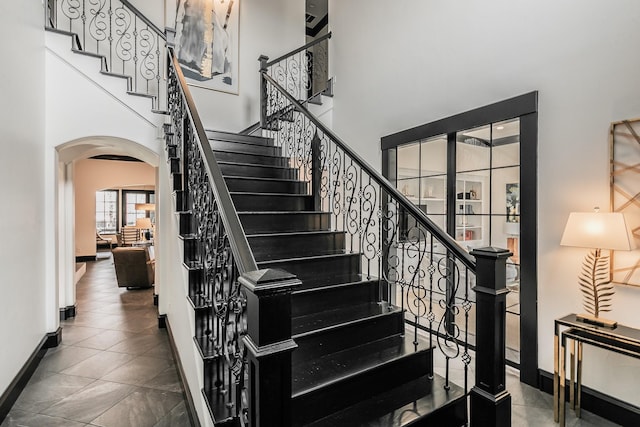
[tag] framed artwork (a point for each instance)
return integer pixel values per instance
(624, 145)
(207, 44)
(513, 202)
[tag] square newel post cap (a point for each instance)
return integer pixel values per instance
(491, 273)
(263, 61)
(269, 281)
(491, 252)
(268, 305)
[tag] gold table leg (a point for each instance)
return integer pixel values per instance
(556, 361)
(572, 372)
(579, 380)
(561, 405)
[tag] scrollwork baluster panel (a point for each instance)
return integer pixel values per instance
(225, 323)
(417, 273)
(130, 45)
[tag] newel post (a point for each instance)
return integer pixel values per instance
(490, 401)
(263, 90)
(269, 345)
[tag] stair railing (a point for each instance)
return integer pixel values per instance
(222, 252)
(129, 43)
(422, 269)
(249, 324)
(303, 72)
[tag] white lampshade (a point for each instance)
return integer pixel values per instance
(145, 206)
(143, 223)
(511, 228)
(598, 230)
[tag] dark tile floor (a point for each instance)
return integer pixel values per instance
(114, 366)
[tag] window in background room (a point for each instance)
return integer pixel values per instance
(107, 211)
(129, 212)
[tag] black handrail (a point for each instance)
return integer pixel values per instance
(237, 238)
(419, 215)
(300, 49)
(146, 20)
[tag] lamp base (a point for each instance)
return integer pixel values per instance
(596, 321)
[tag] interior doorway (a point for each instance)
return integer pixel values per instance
(70, 184)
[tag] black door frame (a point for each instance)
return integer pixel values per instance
(524, 107)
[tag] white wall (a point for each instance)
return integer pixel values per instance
(22, 258)
(92, 175)
(412, 62)
(270, 28)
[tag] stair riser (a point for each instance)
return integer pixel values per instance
(259, 186)
(321, 271)
(234, 137)
(304, 303)
(202, 322)
(181, 200)
(271, 202)
(177, 181)
(191, 253)
(225, 156)
(274, 223)
(184, 223)
(258, 171)
(334, 397)
(245, 148)
(347, 336)
(288, 246)
(174, 165)
(196, 278)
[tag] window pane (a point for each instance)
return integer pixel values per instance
(506, 143)
(409, 161)
(433, 156)
(505, 193)
(106, 211)
(473, 149)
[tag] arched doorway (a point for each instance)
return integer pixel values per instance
(68, 156)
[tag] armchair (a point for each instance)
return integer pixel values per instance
(134, 267)
(103, 241)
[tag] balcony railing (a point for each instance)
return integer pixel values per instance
(130, 45)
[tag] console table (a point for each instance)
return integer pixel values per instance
(622, 339)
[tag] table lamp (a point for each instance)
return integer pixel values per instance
(144, 224)
(597, 230)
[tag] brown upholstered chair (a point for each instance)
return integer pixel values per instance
(134, 268)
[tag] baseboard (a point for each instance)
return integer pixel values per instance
(598, 403)
(191, 408)
(162, 321)
(86, 258)
(67, 312)
(20, 381)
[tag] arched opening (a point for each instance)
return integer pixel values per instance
(84, 166)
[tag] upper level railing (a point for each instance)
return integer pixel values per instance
(303, 72)
(131, 45)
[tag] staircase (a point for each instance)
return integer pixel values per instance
(308, 290)
(354, 364)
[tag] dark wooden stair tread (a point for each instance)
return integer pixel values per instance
(404, 406)
(320, 372)
(312, 323)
